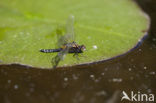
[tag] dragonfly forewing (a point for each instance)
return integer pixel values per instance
(70, 35)
(66, 34)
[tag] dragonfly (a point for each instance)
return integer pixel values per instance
(66, 43)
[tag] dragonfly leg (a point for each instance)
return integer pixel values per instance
(76, 55)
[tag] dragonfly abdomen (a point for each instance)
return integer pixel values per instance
(50, 50)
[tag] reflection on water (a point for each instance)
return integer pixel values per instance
(97, 83)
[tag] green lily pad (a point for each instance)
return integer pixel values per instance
(106, 27)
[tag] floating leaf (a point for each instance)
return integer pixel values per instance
(106, 27)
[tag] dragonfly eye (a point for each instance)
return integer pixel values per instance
(83, 48)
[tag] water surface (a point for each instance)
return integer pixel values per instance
(96, 83)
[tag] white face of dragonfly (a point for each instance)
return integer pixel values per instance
(83, 48)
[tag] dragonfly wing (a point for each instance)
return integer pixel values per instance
(55, 61)
(60, 56)
(61, 40)
(66, 34)
(70, 35)
(64, 38)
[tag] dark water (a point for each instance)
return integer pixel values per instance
(96, 83)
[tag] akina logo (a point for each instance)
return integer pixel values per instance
(140, 97)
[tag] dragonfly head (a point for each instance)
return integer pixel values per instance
(83, 48)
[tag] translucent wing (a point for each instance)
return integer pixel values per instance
(64, 38)
(61, 40)
(60, 56)
(70, 29)
(66, 34)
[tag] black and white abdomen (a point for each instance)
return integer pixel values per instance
(50, 50)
